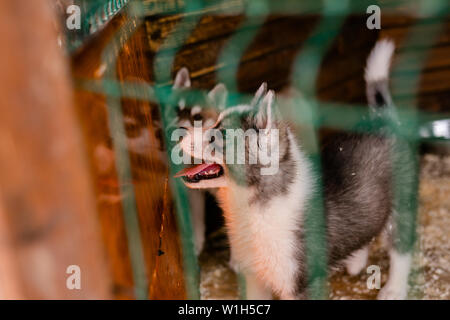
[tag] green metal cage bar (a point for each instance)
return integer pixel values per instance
(406, 203)
(306, 70)
(162, 76)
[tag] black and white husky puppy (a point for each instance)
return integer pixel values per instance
(264, 213)
(205, 110)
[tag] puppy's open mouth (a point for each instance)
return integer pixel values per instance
(200, 172)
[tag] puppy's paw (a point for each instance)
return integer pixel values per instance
(393, 291)
(355, 267)
(357, 261)
(396, 288)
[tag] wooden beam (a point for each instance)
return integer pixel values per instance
(149, 167)
(47, 213)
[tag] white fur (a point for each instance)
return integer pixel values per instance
(357, 261)
(232, 263)
(239, 109)
(197, 205)
(264, 238)
(256, 289)
(260, 93)
(182, 79)
(379, 61)
(195, 110)
(396, 288)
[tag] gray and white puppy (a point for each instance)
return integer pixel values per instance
(205, 109)
(264, 214)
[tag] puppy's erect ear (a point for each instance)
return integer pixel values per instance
(265, 115)
(182, 79)
(218, 96)
(260, 93)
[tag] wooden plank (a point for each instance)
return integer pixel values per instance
(434, 75)
(92, 112)
(46, 203)
(435, 71)
(201, 54)
(206, 29)
(150, 178)
(433, 102)
(438, 58)
(341, 74)
(431, 81)
(149, 166)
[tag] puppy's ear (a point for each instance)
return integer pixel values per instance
(260, 93)
(182, 79)
(218, 96)
(265, 115)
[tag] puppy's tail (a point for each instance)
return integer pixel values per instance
(377, 75)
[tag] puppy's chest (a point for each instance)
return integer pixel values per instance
(264, 238)
(255, 225)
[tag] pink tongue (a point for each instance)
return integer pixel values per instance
(213, 167)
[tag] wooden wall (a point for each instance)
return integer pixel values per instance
(60, 199)
(272, 52)
(269, 57)
(149, 171)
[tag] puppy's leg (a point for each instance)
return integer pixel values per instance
(256, 290)
(233, 263)
(405, 203)
(401, 241)
(396, 288)
(197, 204)
(357, 261)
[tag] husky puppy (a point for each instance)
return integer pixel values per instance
(264, 213)
(205, 110)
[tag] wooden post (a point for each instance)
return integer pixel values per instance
(47, 213)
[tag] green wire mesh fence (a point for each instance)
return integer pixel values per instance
(310, 112)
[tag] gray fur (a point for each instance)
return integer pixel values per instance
(358, 181)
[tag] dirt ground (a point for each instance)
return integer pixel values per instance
(430, 275)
